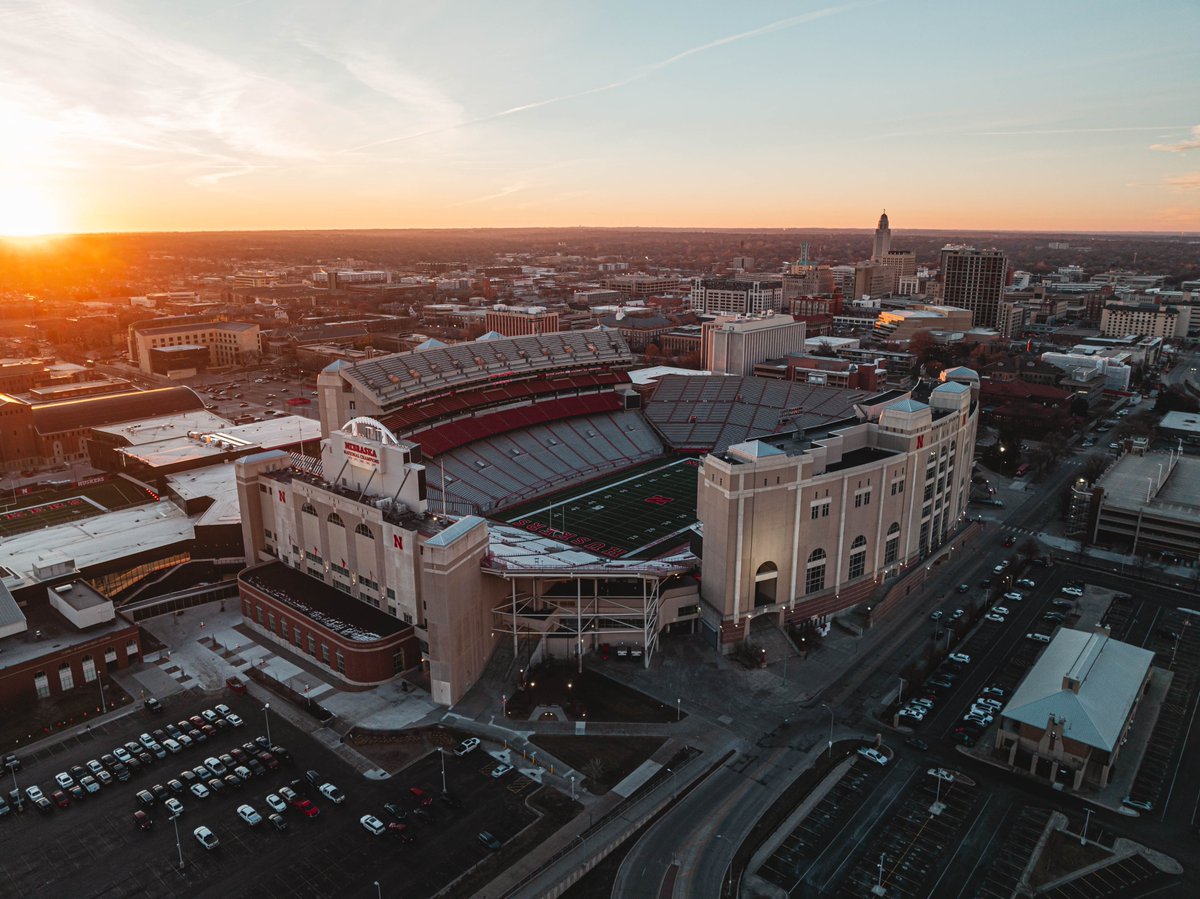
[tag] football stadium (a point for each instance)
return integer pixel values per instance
(558, 495)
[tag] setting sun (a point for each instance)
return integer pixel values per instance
(27, 212)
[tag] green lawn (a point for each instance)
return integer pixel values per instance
(622, 516)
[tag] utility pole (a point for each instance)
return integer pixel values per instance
(442, 753)
(178, 845)
(830, 711)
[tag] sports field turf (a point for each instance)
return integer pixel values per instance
(623, 517)
(58, 505)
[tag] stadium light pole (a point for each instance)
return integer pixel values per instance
(830, 711)
(100, 681)
(267, 720)
(178, 845)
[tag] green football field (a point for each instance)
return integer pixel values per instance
(623, 517)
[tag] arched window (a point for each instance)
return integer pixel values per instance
(334, 518)
(365, 531)
(814, 576)
(858, 557)
(891, 548)
(308, 509)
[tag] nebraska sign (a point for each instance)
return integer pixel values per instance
(361, 455)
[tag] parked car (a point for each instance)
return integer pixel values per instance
(146, 798)
(467, 746)
(236, 684)
(278, 822)
(305, 807)
(1026, 583)
(142, 821)
(423, 797)
(958, 613)
(1141, 805)
(917, 743)
(994, 691)
(992, 616)
(200, 791)
(1072, 591)
(960, 658)
(64, 780)
(873, 755)
(372, 825)
(206, 837)
(941, 774)
(249, 815)
(313, 777)
(935, 615)
(221, 709)
(1001, 610)
(940, 683)
(501, 769)
(964, 588)
(489, 841)
(1037, 638)
(214, 765)
(234, 719)
(395, 811)
(1014, 596)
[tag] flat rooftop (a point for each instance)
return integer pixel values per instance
(102, 538)
(161, 427)
(215, 442)
(1186, 422)
(48, 633)
(1150, 482)
(79, 595)
(332, 609)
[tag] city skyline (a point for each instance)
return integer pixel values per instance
(133, 117)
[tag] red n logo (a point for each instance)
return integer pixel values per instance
(282, 497)
(920, 441)
(397, 541)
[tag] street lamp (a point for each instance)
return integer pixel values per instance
(178, 846)
(678, 710)
(378, 890)
(830, 711)
(1083, 836)
(267, 722)
(671, 771)
(572, 787)
(442, 753)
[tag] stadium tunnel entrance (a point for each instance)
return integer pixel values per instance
(766, 580)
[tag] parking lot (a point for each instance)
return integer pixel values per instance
(998, 877)
(1181, 655)
(907, 851)
(94, 847)
(792, 859)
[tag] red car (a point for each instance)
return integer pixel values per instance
(236, 684)
(421, 796)
(61, 799)
(306, 807)
(1010, 540)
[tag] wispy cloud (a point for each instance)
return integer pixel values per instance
(1033, 131)
(1193, 143)
(644, 72)
(1190, 181)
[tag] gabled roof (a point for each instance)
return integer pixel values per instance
(491, 335)
(1108, 673)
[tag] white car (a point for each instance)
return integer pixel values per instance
(332, 793)
(988, 703)
(64, 780)
(999, 569)
(1001, 610)
(501, 769)
(1026, 583)
(122, 755)
(174, 806)
(249, 815)
(275, 803)
(200, 791)
(1037, 638)
(206, 837)
(172, 746)
(1073, 591)
(982, 710)
(981, 718)
(993, 691)
(1014, 596)
(873, 755)
(215, 766)
(372, 825)
(34, 793)
(89, 783)
(924, 703)
(234, 719)
(960, 657)
(992, 616)
(914, 711)
(470, 744)
(222, 710)
(941, 774)
(209, 715)
(94, 766)
(145, 740)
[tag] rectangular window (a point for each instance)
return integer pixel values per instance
(42, 685)
(296, 634)
(271, 621)
(341, 662)
(891, 551)
(260, 616)
(408, 617)
(391, 594)
(312, 646)
(814, 579)
(66, 677)
(325, 653)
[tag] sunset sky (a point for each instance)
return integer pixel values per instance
(247, 114)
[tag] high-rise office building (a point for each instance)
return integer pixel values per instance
(974, 279)
(733, 345)
(736, 297)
